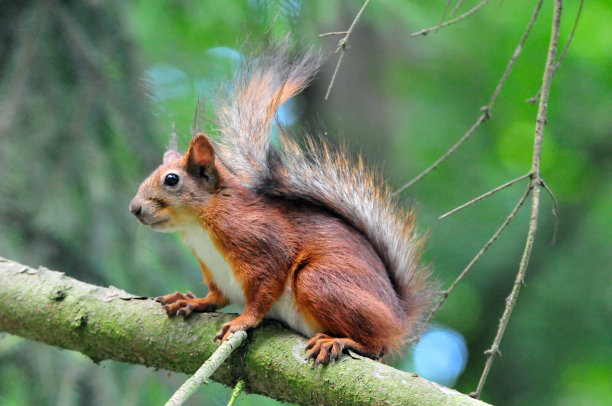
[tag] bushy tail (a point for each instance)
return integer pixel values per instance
(316, 173)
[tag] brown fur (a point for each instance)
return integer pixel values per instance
(339, 282)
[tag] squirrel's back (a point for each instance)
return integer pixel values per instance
(316, 173)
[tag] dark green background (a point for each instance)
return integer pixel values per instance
(89, 91)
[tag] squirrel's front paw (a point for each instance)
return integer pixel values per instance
(239, 323)
(185, 304)
(173, 297)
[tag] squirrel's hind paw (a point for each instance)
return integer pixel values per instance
(324, 349)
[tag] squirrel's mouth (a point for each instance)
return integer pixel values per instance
(153, 224)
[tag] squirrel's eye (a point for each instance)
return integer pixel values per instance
(171, 179)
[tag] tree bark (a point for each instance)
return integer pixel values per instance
(110, 324)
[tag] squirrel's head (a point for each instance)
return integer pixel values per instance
(172, 197)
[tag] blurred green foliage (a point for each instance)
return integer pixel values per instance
(89, 92)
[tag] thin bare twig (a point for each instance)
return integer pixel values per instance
(237, 389)
(548, 74)
(516, 53)
(463, 16)
(444, 13)
(477, 257)
(457, 7)
(570, 38)
(534, 99)
(208, 368)
(483, 117)
(333, 79)
(486, 110)
(555, 211)
(342, 47)
(485, 195)
(327, 34)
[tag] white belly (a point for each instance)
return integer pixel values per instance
(199, 240)
(284, 309)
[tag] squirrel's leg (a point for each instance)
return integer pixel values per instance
(346, 311)
(185, 304)
(260, 295)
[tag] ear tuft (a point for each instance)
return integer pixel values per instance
(170, 156)
(201, 152)
(173, 144)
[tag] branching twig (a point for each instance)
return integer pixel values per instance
(457, 7)
(486, 110)
(534, 99)
(465, 15)
(207, 369)
(444, 13)
(549, 71)
(483, 117)
(477, 257)
(485, 195)
(516, 54)
(555, 211)
(342, 46)
(570, 38)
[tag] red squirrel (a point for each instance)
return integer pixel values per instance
(307, 236)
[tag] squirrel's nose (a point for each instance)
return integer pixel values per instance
(135, 207)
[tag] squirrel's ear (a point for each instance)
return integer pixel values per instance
(170, 156)
(201, 152)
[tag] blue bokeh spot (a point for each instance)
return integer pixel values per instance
(440, 355)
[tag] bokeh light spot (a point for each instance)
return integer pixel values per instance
(440, 355)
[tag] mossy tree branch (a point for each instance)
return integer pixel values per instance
(110, 324)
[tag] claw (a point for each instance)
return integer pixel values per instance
(224, 330)
(185, 311)
(210, 308)
(324, 349)
(169, 310)
(336, 350)
(323, 357)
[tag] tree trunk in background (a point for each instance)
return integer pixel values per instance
(73, 104)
